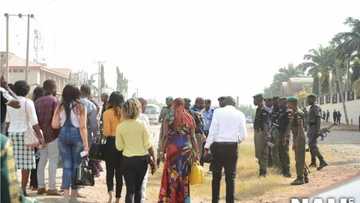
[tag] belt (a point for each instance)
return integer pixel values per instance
(226, 143)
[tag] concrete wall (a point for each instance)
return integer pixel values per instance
(353, 109)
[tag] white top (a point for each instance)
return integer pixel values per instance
(75, 118)
(17, 117)
(228, 125)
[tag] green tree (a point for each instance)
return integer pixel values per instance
(283, 75)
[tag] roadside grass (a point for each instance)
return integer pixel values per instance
(248, 184)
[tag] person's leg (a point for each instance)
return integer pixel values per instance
(216, 172)
(285, 159)
(130, 176)
(41, 170)
(263, 161)
(24, 180)
(230, 171)
(65, 151)
(110, 178)
(141, 168)
(53, 155)
(33, 173)
(76, 149)
(143, 187)
(119, 182)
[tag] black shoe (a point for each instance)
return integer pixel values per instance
(313, 165)
(287, 175)
(298, 181)
(262, 173)
(306, 179)
(322, 165)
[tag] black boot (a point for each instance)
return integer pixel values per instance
(262, 173)
(286, 173)
(306, 176)
(298, 181)
(313, 164)
(322, 165)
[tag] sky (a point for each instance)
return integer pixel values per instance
(185, 48)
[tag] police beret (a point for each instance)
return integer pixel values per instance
(292, 99)
(221, 98)
(312, 96)
(276, 98)
(258, 96)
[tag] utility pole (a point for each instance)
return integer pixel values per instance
(7, 47)
(27, 47)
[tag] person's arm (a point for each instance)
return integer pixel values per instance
(195, 144)
(119, 141)
(213, 131)
(31, 112)
(106, 124)
(148, 145)
(83, 127)
(318, 119)
(242, 128)
(55, 122)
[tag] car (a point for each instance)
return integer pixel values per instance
(153, 113)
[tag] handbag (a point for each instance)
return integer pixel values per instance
(196, 174)
(97, 150)
(84, 175)
(30, 139)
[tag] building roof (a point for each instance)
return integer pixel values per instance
(18, 62)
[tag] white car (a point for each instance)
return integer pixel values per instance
(153, 113)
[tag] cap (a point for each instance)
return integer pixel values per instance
(312, 96)
(292, 99)
(258, 96)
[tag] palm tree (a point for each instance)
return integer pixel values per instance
(322, 61)
(349, 42)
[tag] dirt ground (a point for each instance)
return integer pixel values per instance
(343, 159)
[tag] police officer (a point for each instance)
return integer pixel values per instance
(296, 126)
(275, 136)
(313, 133)
(262, 134)
(284, 138)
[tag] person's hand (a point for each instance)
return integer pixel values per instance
(153, 165)
(86, 148)
(14, 103)
(293, 147)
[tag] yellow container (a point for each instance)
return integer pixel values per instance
(196, 174)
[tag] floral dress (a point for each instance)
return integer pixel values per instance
(177, 165)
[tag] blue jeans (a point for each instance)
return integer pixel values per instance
(70, 146)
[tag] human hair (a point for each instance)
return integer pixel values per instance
(49, 86)
(21, 88)
(207, 101)
(131, 109)
(116, 101)
(229, 101)
(70, 95)
(37, 93)
(143, 103)
(85, 90)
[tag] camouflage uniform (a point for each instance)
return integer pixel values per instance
(262, 138)
(314, 123)
(284, 142)
(275, 137)
(296, 125)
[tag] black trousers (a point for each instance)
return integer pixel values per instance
(33, 173)
(113, 167)
(224, 156)
(134, 171)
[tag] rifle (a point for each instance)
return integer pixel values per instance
(325, 131)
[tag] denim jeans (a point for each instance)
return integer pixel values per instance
(70, 146)
(51, 153)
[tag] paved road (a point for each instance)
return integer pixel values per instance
(342, 137)
(347, 190)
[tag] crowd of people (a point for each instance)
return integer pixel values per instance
(66, 128)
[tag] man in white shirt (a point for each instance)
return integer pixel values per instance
(227, 130)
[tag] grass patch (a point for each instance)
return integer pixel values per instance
(248, 184)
